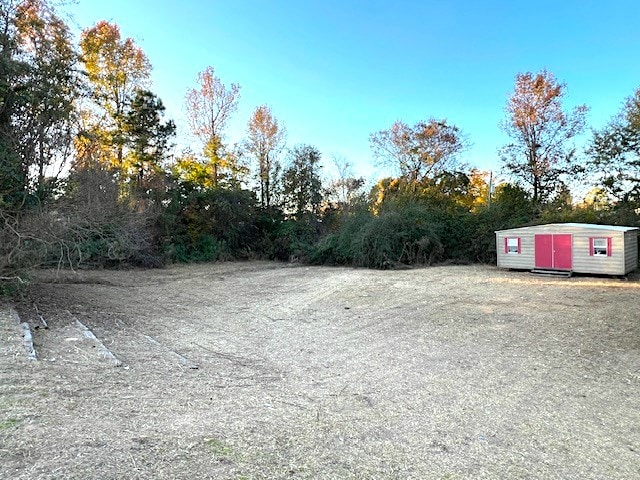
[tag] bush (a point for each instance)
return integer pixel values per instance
(205, 248)
(71, 235)
(293, 240)
(398, 236)
(339, 247)
(404, 234)
(204, 225)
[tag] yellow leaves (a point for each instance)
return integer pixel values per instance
(478, 189)
(597, 199)
(92, 147)
(191, 170)
(385, 188)
(210, 173)
(115, 66)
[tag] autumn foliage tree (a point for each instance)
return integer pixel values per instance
(208, 108)
(265, 140)
(38, 88)
(419, 152)
(541, 131)
(116, 69)
(52, 86)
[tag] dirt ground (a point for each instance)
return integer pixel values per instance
(458, 372)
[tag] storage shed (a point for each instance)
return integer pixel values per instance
(569, 247)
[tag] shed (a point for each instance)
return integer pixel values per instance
(569, 247)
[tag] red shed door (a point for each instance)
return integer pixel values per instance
(562, 252)
(553, 251)
(544, 251)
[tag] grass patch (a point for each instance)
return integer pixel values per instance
(220, 450)
(9, 423)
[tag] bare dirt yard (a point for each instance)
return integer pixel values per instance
(458, 372)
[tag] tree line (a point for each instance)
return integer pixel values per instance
(88, 174)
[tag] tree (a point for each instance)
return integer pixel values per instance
(597, 199)
(464, 189)
(540, 131)
(449, 190)
(188, 170)
(116, 68)
(479, 189)
(38, 87)
(422, 151)
(12, 175)
(514, 203)
(265, 140)
(302, 186)
(209, 107)
(53, 87)
(615, 153)
(147, 136)
(346, 188)
(198, 175)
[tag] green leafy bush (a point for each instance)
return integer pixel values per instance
(402, 234)
(209, 224)
(205, 248)
(293, 240)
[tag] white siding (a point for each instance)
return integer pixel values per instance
(631, 251)
(583, 262)
(524, 259)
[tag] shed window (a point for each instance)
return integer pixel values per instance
(512, 245)
(600, 247)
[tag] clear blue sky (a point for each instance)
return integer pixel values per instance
(336, 71)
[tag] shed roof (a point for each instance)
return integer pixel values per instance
(592, 226)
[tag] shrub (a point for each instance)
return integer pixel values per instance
(204, 248)
(209, 224)
(293, 240)
(71, 235)
(339, 247)
(397, 236)
(404, 234)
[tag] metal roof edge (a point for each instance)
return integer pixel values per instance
(594, 226)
